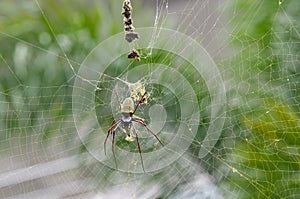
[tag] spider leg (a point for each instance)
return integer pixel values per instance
(138, 120)
(140, 101)
(112, 147)
(114, 125)
(108, 132)
(139, 147)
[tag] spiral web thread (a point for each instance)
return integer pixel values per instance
(48, 151)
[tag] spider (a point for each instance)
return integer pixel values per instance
(126, 124)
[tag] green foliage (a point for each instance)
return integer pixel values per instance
(42, 46)
(264, 163)
(44, 42)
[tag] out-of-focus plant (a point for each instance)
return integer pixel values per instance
(44, 42)
(42, 46)
(265, 162)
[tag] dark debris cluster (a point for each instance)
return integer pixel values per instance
(130, 35)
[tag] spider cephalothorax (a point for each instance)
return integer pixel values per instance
(126, 124)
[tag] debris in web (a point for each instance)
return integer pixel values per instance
(130, 35)
(134, 54)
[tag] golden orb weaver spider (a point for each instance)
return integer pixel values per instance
(126, 124)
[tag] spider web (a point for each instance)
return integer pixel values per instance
(222, 82)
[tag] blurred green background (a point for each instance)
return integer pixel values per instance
(43, 43)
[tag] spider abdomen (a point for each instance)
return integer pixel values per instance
(127, 106)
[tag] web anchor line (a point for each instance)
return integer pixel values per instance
(130, 34)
